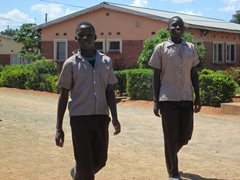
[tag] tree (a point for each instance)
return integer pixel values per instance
(9, 32)
(236, 17)
(163, 35)
(31, 41)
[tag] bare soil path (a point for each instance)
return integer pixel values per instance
(28, 151)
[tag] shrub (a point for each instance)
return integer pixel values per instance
(216, 88)
(235, 73)
(39, 71)
(44, 66)
(206, 72)
(40, 75)
(49, 83)
(139, 84)
(120, 87)
(14, 76)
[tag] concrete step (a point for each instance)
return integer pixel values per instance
(231, 108)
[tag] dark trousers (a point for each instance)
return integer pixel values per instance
(90, 144)
(177, 123)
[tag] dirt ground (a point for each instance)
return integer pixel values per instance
(28, 151)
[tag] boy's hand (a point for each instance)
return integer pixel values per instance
(59, 137)
(156, 108)
(197, 106)
(116, 125)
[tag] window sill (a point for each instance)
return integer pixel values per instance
(113, 52)
(232, 62)
(59, 61)
(218, 63)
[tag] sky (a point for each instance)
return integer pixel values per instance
(14, 13)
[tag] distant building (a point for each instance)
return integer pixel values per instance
(121, 30)
(9, 50)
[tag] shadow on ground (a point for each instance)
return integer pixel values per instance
(196, 177)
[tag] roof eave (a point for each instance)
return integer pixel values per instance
(213, 29)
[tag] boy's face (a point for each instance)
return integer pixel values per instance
(85, 37)
(176, 28)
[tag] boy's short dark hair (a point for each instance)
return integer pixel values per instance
(175, 17)
(85, 23)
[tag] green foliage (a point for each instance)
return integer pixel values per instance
(149, 45)
(201, 51)
(30, 39)
(206, 72)
(40, 75)
(40, 71)
(44, 66)
(235, 73)
(139, 84)
(236, 17)
(9, 32)
(14, 76)
(120, 87)
(51, 80)
(31, 56)
(216, 88)
(163, 35)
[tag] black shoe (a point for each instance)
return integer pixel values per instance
(74, 174)
(175, 177)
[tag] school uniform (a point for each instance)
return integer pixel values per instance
(88, 109)
(176, 96)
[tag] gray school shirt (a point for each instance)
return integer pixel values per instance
(87, 84)
(175, 62)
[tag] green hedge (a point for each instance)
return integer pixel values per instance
(216, 87)
(235, 73)
(139, 84)
(120, 87)
(40, 75)
(14, 76)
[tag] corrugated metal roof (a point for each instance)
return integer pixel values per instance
(192, 21)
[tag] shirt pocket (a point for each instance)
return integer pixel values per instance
(104, 73)
(188, 57)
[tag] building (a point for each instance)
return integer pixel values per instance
(9, 50)
(121, 30)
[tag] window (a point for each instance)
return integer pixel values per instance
(218, 52)
(231, 52)
(99, 44)
(114, 45)
(60, 50)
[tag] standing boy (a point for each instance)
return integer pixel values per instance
(174, 63)
(88, 76)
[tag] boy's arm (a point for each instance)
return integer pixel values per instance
(111, 101)
(195, 83)
(156, 89)
(61, 108)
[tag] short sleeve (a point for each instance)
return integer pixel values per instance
(65, 78)
(112, 78)
(155, 60)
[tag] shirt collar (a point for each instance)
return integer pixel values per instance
(171, 43)
(98, 55)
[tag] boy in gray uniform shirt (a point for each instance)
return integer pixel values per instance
(174, 63)
(88, 77)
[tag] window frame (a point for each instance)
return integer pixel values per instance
(103, 43)
(55, 48)
(235, 53)
(113, 40)
(223, 55)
